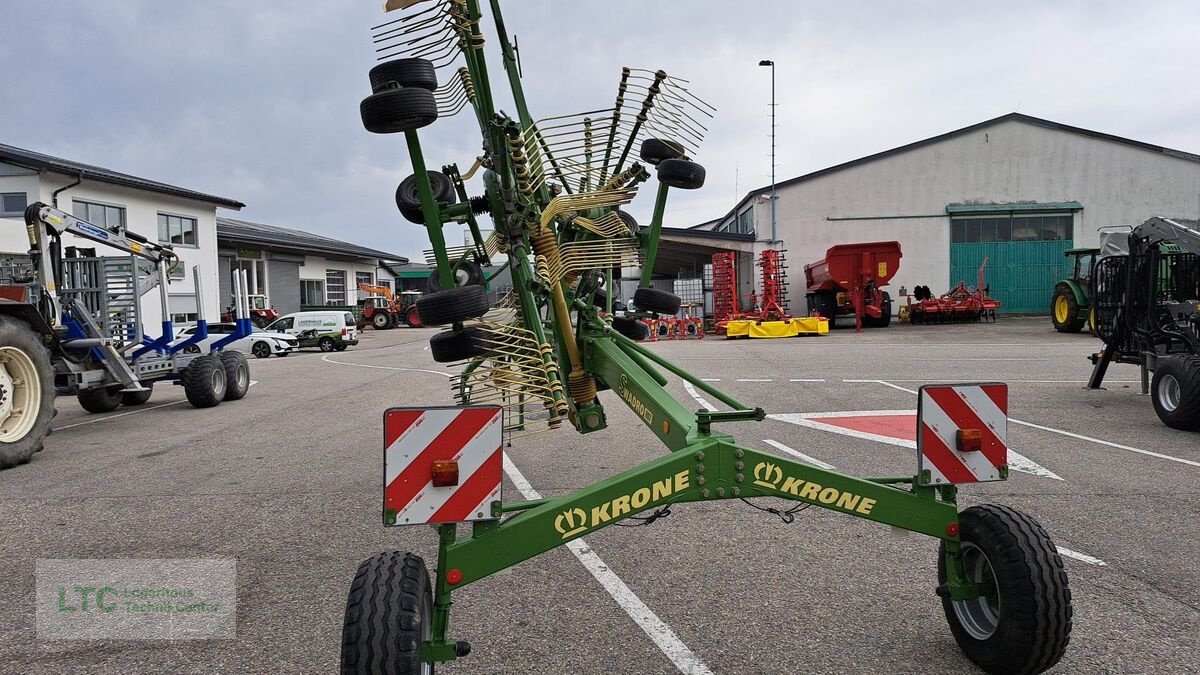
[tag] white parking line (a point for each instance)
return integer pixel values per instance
(798, 455)
(1070, 434)
(806, 380)
(699, 399)
(1081, 556)
(752, 380)
(959, 379)
(662, 635)
(326, 359)
(122, 414)
(710, 379)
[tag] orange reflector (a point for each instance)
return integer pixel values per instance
(445, 472)
(969, 440)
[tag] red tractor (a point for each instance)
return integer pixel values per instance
(261, 311)
(383, 310)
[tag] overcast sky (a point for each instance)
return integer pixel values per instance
(258, 100)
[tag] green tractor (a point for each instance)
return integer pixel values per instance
(1071, 305)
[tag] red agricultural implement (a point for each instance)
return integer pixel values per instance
(848, 282)
(961, 305)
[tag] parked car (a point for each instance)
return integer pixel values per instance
(328, 330)
(259, 343)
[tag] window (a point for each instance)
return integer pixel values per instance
(364, 278)
(745, 221)
(176, 230)
(1011, 227)
(102, 215)
(386, 283)
(312, 292)
(335, 287)
(188, 317)
(13, 203)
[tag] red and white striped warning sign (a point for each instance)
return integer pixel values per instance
(962, 433)
(441, 465)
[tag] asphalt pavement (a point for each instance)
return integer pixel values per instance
(287, 483)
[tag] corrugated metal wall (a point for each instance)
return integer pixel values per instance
(1021, 274)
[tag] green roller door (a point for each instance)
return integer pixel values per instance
(1024, 257)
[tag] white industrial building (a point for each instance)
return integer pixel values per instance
(1016, 189)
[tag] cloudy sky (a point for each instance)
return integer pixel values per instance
(258, 100)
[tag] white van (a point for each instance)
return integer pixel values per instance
(327, 330)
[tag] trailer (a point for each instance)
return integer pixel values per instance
(849, 280)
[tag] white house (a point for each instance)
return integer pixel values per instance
(184, 218)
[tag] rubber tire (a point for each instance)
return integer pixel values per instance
(654, 300)
(100, 399)
(655, 150)
(412, 317)
(233, 361)
(399, 73)
(1073, 324)
(136, 398)
(883, 321)
(600, 300)
(326, 344)
(1186, 371)
(827, 306)
(263, 353)
(457, 345)
(1034, 625)
(453, 305)
(389, 613)
(631, 328)
(16, 333)
(630, 222)
(381, 320)
(681, 173)
(469, 273)
(202, 389)
(191, 349)
(408, 196)
(340, 348)
(397, 110)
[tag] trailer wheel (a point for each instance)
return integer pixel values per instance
(408, 196)
(654, 300)
(237, 374)
(381, 320)
(1176, 391)
(825, 303)
(631, 328)
(1064, 311)
(681, 173)
(457, 345)
(26, 392)
(412, 317)
(1022, 623)
(135, 398)
(885, 315)
(389, 613)
(395, 110)
(204, 381)
(403, 73)
(452, 305)
(100, 399)
(655, 150)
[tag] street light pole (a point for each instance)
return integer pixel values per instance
(774, 198)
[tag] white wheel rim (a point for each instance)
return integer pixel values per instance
(1169, 393)
(978, 616)
(21, 398)
(218, 381)
(243, 376)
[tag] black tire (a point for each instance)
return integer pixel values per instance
(631, 328)
(654, 300)
(457, 345)
(655, 150)
(381, 320)
(136, 398)
(237, 374)
(825, 304)
(26, 438)
(100, 399)
(468, 273)
(452, 305)
(1030, 617)
(340, 348)
(191, 349)
(681, 173)
(389, 613)
(630, 222)
(204, 381)
(326, 344)
(412, 317)
(261, 350)
(1071, 323)
(399, 73)
(885, 318)
(1175, 390)
(408, 196)
(396, 110)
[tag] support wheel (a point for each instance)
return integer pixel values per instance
(204, 381)
(408, 196)
(1022, 621)
(134, 398)
(326, 344)
(100, 399)
(453, 305)
(654, 300)
(681, 173)
(399, 73)
(457, 345)
(396, 110)
(381, 320)
(1176, 391)
(631, 328)
(237, 374)
(261, 350)
(468, 273)
(27, 382)
(389, 613)
(1064, 311)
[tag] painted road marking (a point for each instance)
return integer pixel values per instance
(699, 399)
(128, 412)
(326, 359)
(1070, 434)
(1081, 556)
(710, 379)
(799, 455)
(662, 635)
(894, 427)
(752, 380)
(927, 380)
(804, 380)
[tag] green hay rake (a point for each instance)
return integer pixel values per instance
(554, 188)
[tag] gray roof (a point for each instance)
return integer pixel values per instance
(274, 237)
(40, 162)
